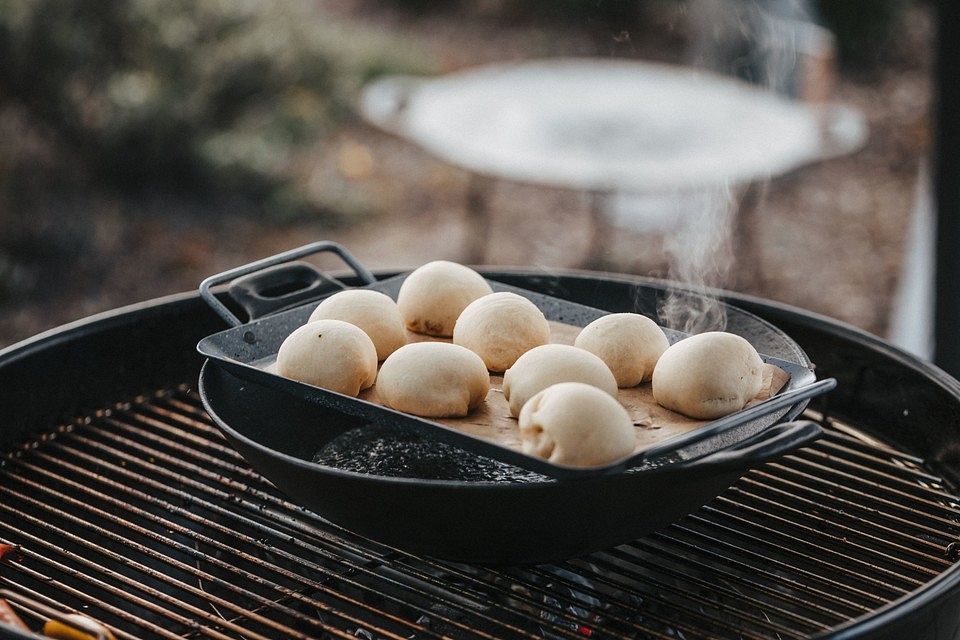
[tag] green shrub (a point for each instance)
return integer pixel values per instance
(196, 93)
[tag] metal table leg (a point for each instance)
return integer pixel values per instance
(601, 234)
(748, 252)
(479, 220)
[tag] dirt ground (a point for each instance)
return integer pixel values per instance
(832, 233)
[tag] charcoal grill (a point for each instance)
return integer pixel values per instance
(125, 504)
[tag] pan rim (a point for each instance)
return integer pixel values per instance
(308, 465)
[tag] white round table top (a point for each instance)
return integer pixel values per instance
(609, 124)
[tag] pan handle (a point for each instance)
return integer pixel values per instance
(770, 443)
(249, 291)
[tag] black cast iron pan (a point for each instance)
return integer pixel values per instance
(247, 350)
(515, 518)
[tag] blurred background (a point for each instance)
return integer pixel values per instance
(146, 144)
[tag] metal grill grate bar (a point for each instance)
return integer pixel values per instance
(703, 614)
(123, 615)
(112, 591)
(730, 515)
(869, 516)
(466, 577)
(838, 519)
(864, 608)
(687, 611)
(177, 546)
(449, 569)
(841, 433)
(740, 587)
(891, 466)
(249, 541)
(132, 461)
(622, 568)
(624, 585)
(828, 573)
(736, 557)
(914, 492)
(840, 534)
(149, 573)
(148, 505)
(159, 455)
(932, 513)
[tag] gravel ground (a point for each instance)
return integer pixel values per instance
(832, 233)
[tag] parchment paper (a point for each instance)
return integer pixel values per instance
(652, 423)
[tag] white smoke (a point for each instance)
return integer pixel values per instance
(762, 42)
(700, 254)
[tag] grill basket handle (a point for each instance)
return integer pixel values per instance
(273, 273)
(770, 443)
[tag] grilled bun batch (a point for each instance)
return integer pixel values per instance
(433, 296)
(550, 364)
(576, 424)
(501, 327)
(331, 354)
(629, 343)
(565, 397)
(374, 312)
(434, 380)
(708, 375)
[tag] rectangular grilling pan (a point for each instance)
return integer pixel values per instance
(248, 349)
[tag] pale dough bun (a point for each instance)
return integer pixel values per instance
(708, 375)
(630, 344)
(433, 380)
(550, 364)
(501, 327)
(332, 354)
(374, 312)
(576, 424)
(433, 296)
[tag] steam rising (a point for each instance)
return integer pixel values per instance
(762, 42)
(701, 255)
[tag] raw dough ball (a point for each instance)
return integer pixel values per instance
(433, 379)
(500, 328)
(433, 296)
(630, 344)
(708, 375)
(374, 312)
(332, 354)
(576, 424)
(550, 364)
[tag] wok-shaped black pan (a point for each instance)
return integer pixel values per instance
(512, 522)
(279, 297)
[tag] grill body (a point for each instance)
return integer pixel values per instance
(181, 495)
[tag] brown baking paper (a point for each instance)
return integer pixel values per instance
(652, 423)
